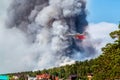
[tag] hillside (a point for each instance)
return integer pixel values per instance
(105, 67)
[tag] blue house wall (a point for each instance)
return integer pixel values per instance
(4, 77)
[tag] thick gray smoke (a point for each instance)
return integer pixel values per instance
(46, 24)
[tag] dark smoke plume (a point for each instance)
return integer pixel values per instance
(46, 24)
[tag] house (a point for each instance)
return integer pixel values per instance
(46, 77)
(43, 76)
(18, 76)
(14, 78)
(90, 75)
(32, 78)
(4, 77)
(72, 77)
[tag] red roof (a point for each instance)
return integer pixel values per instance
(47, 76)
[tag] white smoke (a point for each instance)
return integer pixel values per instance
(13, 50)
(52, 19)
(100, 33)
(45, 25)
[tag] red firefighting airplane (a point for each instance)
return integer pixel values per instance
(78, 36)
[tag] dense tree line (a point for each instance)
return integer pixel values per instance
(105, 67)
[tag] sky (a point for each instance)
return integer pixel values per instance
(103, 11)
(103, 17)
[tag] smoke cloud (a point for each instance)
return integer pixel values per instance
(46, 24)
(37, 32)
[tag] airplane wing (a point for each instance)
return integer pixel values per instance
(77, 36)
(70, 34)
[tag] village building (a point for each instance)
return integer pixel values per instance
(4, 77)
(90, 76)
(43, 76)
(32, 78)
(72, 77)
